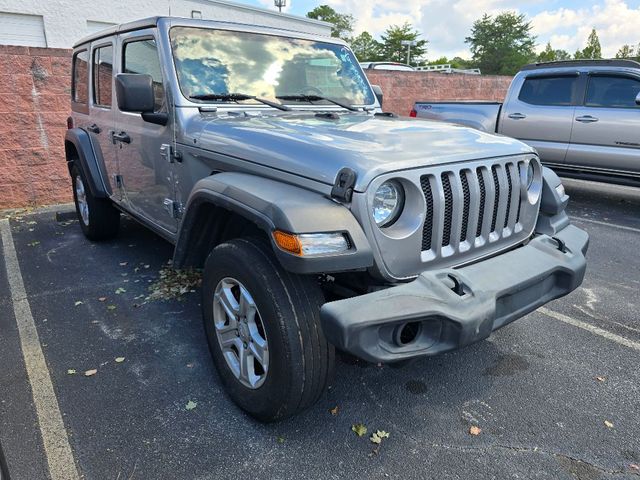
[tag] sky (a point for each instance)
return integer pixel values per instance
(445, 23)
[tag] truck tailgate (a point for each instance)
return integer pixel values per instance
(480, 115)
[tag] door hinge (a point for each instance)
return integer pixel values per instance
(173, 208)
(170, 154)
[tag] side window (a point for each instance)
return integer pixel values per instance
(80, 83)
(102, 76)
(141, 56)
(553, 91)
(612, 92)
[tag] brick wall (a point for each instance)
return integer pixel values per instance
(34, 106)
(402, 89)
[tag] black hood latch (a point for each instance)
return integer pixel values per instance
(343, 186)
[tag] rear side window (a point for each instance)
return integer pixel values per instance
(141, 56)
(102, 75)
(554, 91)
(80, 83)
(612, 92)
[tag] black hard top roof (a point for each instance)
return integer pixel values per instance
(614, 62)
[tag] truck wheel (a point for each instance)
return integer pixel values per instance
(98, 218)
(263, 328)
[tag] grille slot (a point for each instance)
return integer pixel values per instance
(428, 222)
(448, 209)
(467, 204)
(483, 201)
(496, 186)
(510, 191)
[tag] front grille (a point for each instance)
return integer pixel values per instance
(468, 208)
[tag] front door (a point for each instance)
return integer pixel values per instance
(606, 129)
(542, 114)
(147, 175)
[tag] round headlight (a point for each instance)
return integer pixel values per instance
(388, 203)
(531, 173)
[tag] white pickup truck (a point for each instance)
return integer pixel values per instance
(583, 117)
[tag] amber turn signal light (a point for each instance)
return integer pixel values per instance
(288, 242)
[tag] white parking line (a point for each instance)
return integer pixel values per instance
(54, 435)
(590, 328)
(605, 224)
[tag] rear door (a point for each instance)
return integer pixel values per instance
(541, 114)
(101, 112)
(147, 176)
(606, 130)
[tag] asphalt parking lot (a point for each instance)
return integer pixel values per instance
(556, 394)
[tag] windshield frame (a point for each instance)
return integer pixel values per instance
(267, 31)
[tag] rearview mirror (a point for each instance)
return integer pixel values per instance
(638, 99)
(134, 92)
(378, 93)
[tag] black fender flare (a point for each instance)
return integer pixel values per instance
(88, 160)
(274, 205)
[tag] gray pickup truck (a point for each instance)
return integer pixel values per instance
(319, 221)
(582, 117)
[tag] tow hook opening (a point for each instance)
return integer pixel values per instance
(407, 333)
(561, 245)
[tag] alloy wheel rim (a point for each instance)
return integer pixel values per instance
(81, 197)
(240, 333)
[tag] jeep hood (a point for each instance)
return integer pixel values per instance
(318, 148)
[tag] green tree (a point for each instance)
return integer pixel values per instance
(392, 48)
(366, 48)
(626, 51)
(551, 55)
(593, 50)
(342, 22)
(502, 44)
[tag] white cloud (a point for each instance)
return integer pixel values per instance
(445, 23)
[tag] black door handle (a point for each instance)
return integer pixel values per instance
(94, 129)
(121, 137)
(517, 116)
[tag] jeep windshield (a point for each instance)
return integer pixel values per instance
(214, 63)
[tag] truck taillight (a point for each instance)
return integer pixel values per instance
(69, 123)
(413, 113)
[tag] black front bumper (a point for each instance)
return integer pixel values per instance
(495, 292)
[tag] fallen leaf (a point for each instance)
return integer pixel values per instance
(608, 424)
(90, 373)
(280, 439)
(475, 430)
(71, 371)
(633, 466)
(189, 365)
(601, 379)
(359, 429)
(119, 359)
(120, 290)
(111, 307)
(334, 410)
(33, 244)
(124, 264)
(190, 405)
(78, 303)
(102, 299)
(378, 436)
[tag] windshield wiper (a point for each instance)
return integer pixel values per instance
(317, 98)
(237, 97)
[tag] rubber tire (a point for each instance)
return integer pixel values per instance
(301, 361)
(104, 218)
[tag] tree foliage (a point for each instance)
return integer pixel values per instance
(366, 48)
(626, 51)
(501, 44)
(392, 49)
(549, 54)
(593, 50)
(342, 22)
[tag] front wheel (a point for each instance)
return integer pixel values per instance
(263, 329)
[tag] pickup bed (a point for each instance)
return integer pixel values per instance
(583, 117)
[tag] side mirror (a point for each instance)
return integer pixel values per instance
(134, 92)
(638, 99)
(378, 93)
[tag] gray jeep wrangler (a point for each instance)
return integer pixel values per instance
(319, 221)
